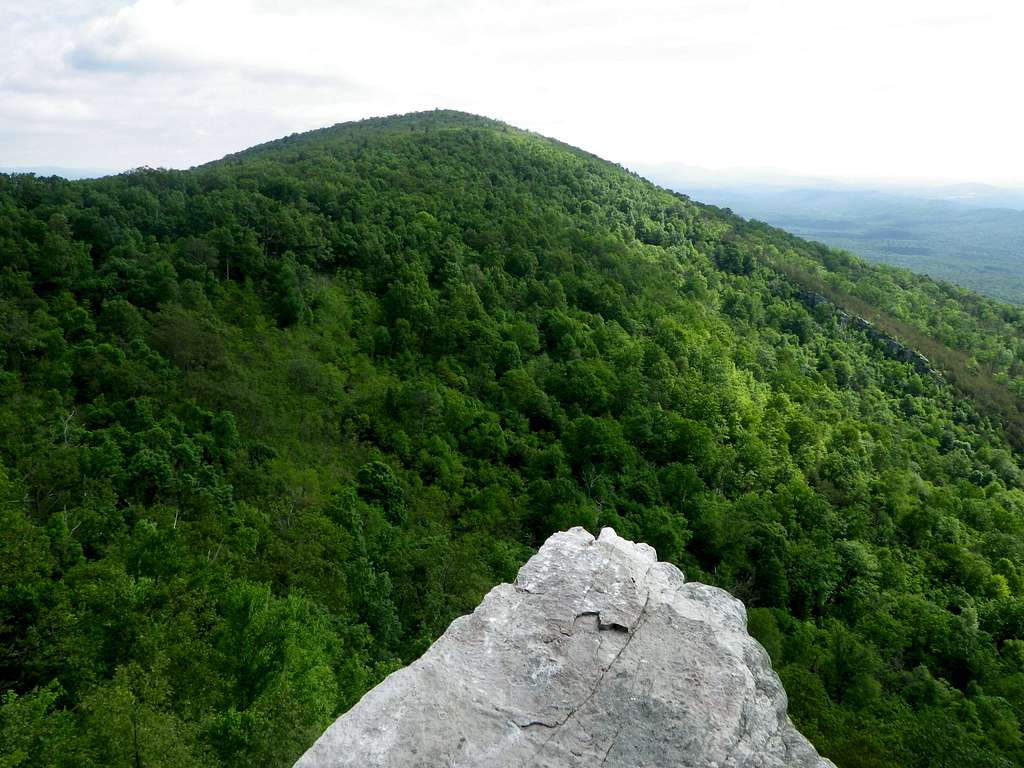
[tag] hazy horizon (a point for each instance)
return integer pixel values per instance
(783, 84)
(667, 174)
(725, 175)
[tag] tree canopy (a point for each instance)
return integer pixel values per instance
(270, 424)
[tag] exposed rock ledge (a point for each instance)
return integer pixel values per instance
(598, 655)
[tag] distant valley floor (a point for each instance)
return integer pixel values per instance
(975, 247)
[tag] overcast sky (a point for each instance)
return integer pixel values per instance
(903, 89)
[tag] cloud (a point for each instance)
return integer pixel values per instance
(160, 35)
(40, 107)
(175, 36)
(909, 88)
(94, 58)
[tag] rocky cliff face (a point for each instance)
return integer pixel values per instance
(890, 347)
(598, 655)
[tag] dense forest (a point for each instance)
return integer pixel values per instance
(975, 243)
(268, 425)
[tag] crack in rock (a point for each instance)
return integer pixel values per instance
(604, 672)
(612, 626)
(597, 657)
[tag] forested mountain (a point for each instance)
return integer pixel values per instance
(268, 425)
(977, 247)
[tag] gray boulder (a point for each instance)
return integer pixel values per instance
(598, 655)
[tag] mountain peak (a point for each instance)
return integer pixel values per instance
(597, 655)
(428, 120)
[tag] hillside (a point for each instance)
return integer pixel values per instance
(271, 423)
(980, 248)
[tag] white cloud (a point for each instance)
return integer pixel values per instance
(904, 89)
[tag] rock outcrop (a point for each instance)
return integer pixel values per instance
(598, 655)
(890, 347)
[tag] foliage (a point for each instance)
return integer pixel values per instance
(269, 425)
(971, 240)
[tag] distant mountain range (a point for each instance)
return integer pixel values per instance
(58, 170)
(970, 234)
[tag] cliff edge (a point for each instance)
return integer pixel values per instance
(597, 655)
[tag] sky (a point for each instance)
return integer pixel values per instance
(922, 90)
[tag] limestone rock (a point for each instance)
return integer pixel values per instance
(598, 655)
